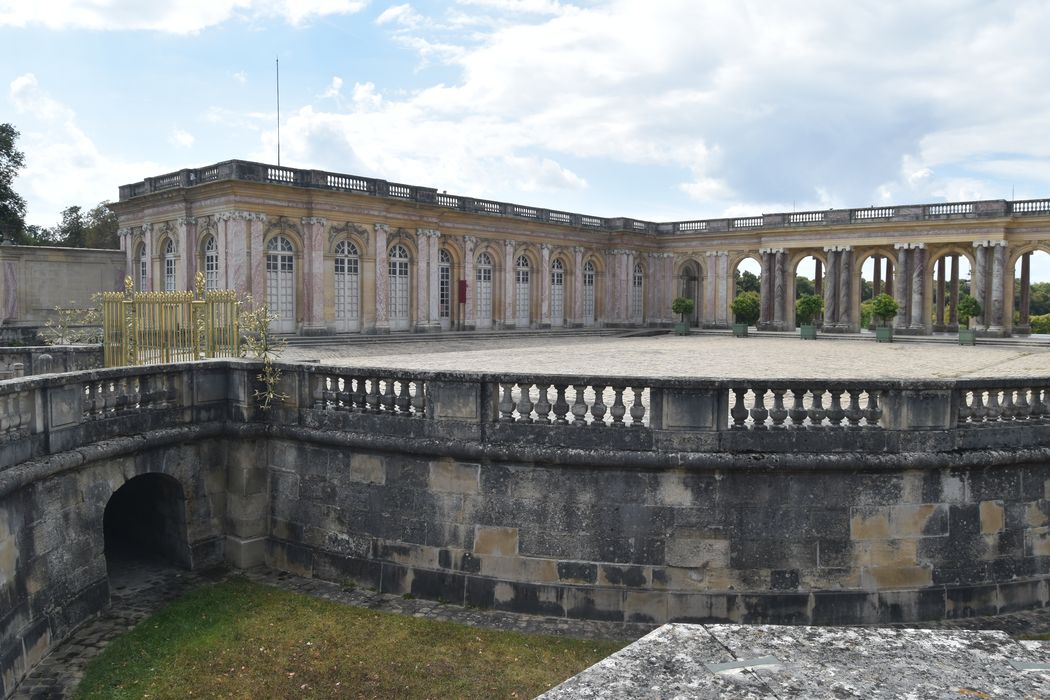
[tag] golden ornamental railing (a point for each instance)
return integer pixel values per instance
(148, 328)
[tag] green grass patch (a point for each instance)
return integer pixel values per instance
(239, 639)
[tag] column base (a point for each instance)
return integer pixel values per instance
(992, 332)
(314, 329)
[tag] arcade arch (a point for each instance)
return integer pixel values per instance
(1029, 290)
(146, 519)
(690, 286)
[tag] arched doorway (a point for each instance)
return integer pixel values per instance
(145, 519)
(522, 298)
(1031, 293)
(689, 286)
(170, 260)
(280, 284)
(211, 264)
(445, 289)
(875, 276)
(807, 279)
(950, 281)
(143, 269)
(748, 279)
(637, 306)
(589, 274)
(557, 293)
(348, 286)
(483, 292)
(400, 288)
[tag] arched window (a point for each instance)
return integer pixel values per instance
(211, 264)
(557, 293)
(280, 283)
(521, 297)
(399, 288)
(588, 293)
(483, 292)
(347, 286)
(445, 289)
(142, 265)
(170, 259)
(637, 297)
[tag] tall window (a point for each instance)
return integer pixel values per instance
(347, 285)
(211, 264)
(557, 293)
(445, 288)
(280, 283)
(588, 293)
(637, 297)
(143, 268)
(169, 265)
(521, 305)
(483, 291)
(399, 288)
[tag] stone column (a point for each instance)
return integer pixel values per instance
(236, 252)
(845, 285)
(887, 286)
(876, 280)
(434, 282)
(313, 274)
(508, 284)
(1026, 289)
(422, 280)
(917, 320)
(978, 279)
(470, 243)
(187, 238)
(998, 282)
(382, 286)
(708, 317)
(147, 242)
(902, 292)
(257, 255)
(577, 286)
(766, 314)
(831, 297)
(545, 285)
(779, 290)
(942, 270)
(953, 313)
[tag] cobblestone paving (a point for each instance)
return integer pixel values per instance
(692, 356)
(138, 590)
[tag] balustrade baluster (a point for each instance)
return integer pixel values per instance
(759, 412)
(1008, 411)
(598, 409)
(506, 403)
(109, 398)
(778, 413)
(121, 403)
(963, 411)
(372, 397)
(637, 408)
(542, 405)
(1022, 409)
(404, 399)
(853, 413)
(1035, 411)
(579, 406)
(977, 409)
(387, 399)
(341, 394)
(798, 407)
(25, 410)
(992, 410)
(358, 393)
(739, 411)
(618, 410)
(1045, 410)
(835, 411)
(561, 406)
(136, 392)
(524, 403)
(6, 414)
(872, 409)
(816, 412)
(419, 399)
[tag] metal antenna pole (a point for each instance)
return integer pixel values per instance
(277, 61)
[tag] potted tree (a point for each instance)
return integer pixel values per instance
(682, 306)
(807, 308)
(969, 310)
(883, 308)
(746, 309)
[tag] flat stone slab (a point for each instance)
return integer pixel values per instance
(768, 661)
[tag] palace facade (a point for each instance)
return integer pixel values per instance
(335, 253)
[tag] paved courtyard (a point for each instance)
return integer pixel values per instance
(708, 356)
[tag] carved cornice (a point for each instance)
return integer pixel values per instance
(345, 230)
(306, 220)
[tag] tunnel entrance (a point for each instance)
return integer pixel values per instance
(145, 520)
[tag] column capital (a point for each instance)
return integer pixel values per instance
(510, 245)
(147, 229)
(773, 251)
(578, 249)
(185, 221)
(124, 232)
(545, 247)
(899, 246)
(381, 228)
(314, 220)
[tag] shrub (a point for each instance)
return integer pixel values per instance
(683, 306)
(746, 307)
(807, 308)
(968, 308)
(1040, 324)
(884, 307)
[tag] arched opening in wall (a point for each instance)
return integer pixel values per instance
(637, 305)
(522, 291)
(280, 284)
(348, 286)
(876, 277)
(483, 292)
(170, 260)
(210, 260)
(690, 288)
(399, 281)
(557, 294)
(141, 268)
(747, 279)
(590, 274)
(1031, 297)
(145, 520)
(445, 289)
(950, 276)
(808, 280)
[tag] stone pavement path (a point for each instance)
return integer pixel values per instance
(691, 356)
(139, 589)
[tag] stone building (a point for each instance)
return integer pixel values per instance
(334, 253)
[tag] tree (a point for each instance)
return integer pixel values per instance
(683, 306)
(884, 307)
(807, 308)
(12, 206)
(747, 282)
(804, 286)
(746, 307)
(70, 232)
(100, 227)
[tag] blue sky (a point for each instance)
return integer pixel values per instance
(662, 110)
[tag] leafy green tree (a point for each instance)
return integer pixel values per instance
(683, 306)
(747, 282)
(807, 308)
(884, 307)
(70, 232)
(746, 307)
(12, 205)
(804, 286)
(100, 227)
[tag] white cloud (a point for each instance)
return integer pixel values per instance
(241, 77)
(181, 138)
(402, 15)
(169, 16)
(334, 89)
(63, 165)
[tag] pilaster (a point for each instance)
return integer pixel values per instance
(470, 244)
(545, 285)
(902, 282)
(508, 284)
(313, 274)
(382, 278)
(187, 239)
(916, 317)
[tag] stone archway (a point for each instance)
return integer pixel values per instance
(145, 519)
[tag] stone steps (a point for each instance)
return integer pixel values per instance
(361, 339)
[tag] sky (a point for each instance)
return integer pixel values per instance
(658, 110)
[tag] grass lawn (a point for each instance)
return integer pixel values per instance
(238, 639)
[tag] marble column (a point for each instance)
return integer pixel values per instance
(766, 313)
(941, 306)
(545, 285)
(709, 317)
(382, 278)
(1026, 289)
(434, 281)
(779, 290)
(236, 260)
(257, 255)
(831, 297)
(421, 322)
(845, 285)
(470, 243)
(147, 242)
(313, 273)
(187, 237)
(876, 280)
(978, 279)
(724, 288)
(998, 321)
(902, 292)
(953, 313)
(917, 311)
(577, 286)
(508, 284)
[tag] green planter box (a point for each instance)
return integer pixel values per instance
(681, 329)
(884, 334)
(740, 330)
(807, 332)
(967, 336)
